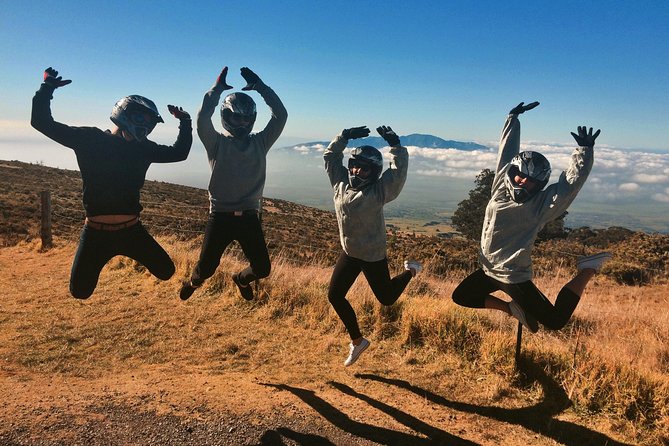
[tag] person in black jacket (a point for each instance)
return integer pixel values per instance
(113, 167)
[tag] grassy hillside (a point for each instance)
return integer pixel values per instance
(305, 234)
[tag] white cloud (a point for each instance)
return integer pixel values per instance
(650, 178)
(629, 187)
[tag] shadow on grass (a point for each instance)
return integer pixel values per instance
(377, 434)
(538, 418)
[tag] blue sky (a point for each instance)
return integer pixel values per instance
(452, 69)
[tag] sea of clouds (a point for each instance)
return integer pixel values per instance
(618, 175)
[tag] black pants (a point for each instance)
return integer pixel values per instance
(474, 290)
(222, 229)
(97, 247)
(346, 270)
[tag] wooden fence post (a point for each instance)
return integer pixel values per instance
(45, 230)
(519, 339)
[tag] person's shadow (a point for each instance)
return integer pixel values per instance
(539, 418)
(370, 432)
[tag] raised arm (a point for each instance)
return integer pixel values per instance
(558, 196)
(277, 122)
(509, 143)
(180, 149)
(393, 178)
(205, 128)
(41, 118)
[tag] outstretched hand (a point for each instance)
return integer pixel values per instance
(221, 82)
(389, 135)
(585, 138)
(355, 132)
(520, 108)
(52, 79)
(178, 112)
(251, 79)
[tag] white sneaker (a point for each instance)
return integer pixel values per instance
(594, 261)
(528, 321)
(413, 265)
(355, 351)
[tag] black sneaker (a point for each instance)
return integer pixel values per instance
(245, 290)
(187, 290)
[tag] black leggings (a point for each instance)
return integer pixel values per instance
(474, 290)
(97, 247)
(222, 229)
(347, 269)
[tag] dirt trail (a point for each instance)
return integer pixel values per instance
(277, 383)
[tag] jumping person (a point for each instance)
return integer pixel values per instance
(359, 195)
(237, 159)
(113, 167)
(518, 208)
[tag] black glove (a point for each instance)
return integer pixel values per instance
(355, 132)
(178, 112)
(389, 135)
(52, 79)
(220, 81)
(584, 138)
(251, 79)
(520, 108)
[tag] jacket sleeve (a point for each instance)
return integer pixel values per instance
(43, 122)
(205, 128)
(558, 196)
(179, 150)
(393, 179)
(509, 143)
(333, 156)
(277, 122)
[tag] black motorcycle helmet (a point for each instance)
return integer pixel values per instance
(238, 105)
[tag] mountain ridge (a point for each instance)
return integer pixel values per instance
(413, 139)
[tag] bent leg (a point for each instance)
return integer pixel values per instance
(139, 245)
(386, 290)
(252, 241)
(474, 292)
(217, 236)
(93, 253)
(536, 304)
(344, 274)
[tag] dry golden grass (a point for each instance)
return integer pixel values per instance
(611, 360)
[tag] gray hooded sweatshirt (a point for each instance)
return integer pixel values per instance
(238, 166)
(510, 228)
(362, 228)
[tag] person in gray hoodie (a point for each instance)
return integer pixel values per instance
(360, 191)
(237, 159)
(518, 208)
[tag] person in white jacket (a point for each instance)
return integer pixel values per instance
(518, 208)
(360, 191)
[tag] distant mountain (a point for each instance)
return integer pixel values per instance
(415, 139)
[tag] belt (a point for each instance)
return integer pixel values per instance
(238, 213)
(111, 226)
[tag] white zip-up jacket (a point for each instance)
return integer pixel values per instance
(510, 228)
(362, 227)
(238, 167)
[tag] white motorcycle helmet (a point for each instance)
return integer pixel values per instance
(528, 164)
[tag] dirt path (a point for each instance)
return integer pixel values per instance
(271, 383)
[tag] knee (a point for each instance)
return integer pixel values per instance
(79, 293)
(553, 324)
(459, 297)
(166, 272)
